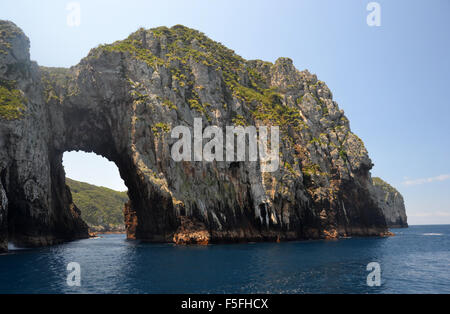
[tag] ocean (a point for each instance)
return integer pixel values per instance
(416, 260)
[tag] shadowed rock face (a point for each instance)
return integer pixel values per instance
(121, 101)
(35, 205)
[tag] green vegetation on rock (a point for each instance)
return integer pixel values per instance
(8, 31)
(384, 185)
(11, 101)
(179, 47)
(312, 169)
(59, 83)
(160, 128)
(101, 208)
(239, 120)
(134, 48)
(169, 104)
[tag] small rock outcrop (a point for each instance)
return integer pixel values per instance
(391, 203)
(121, 102)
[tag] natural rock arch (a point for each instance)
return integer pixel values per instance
(121, 100)
(100, 123)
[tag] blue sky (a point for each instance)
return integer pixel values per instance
(392, 80)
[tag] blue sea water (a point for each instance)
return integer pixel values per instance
(416, 260)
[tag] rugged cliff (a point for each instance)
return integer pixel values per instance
(391, 203)
(121, 102)
(35, 205)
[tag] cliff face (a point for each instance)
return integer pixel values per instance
(35, 205)
(391, 203)
(121, 102)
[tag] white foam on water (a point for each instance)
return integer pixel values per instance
(432, 234)
(12, 247)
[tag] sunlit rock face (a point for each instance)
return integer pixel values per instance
(121, 102)
(391, 203)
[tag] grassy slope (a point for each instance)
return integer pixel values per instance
(99, 206)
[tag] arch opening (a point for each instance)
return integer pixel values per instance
(97, 189)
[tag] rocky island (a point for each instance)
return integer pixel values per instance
(122, 100)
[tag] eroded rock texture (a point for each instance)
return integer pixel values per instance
(391, 203)
(121, 102)
(35, 205)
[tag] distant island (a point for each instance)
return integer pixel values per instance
(101, 208)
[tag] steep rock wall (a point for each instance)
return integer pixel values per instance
(35, 204)
(391, 203)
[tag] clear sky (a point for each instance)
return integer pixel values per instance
(392, 80)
